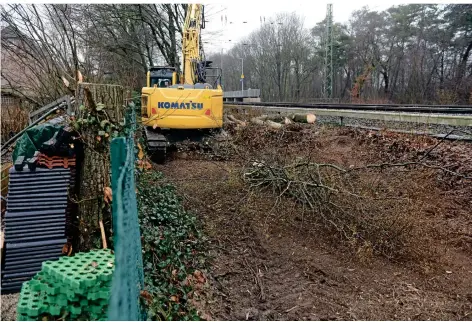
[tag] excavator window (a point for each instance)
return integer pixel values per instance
(161, 82)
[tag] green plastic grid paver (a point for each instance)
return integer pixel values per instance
(31, 303)
(98, 295)
(55, 309)
(76, 310)
(60, 299)
(72, 287)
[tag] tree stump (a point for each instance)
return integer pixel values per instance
(95, 164)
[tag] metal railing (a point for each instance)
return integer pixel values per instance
(242, 94)
(65, 101)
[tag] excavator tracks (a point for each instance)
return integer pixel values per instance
(157, 145)
(160, 144)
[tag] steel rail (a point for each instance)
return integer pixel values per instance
(385, 104)
(440, 109)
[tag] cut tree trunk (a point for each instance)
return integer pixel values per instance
(95, 166)
(226, 120)
(287, 121)
(277, 121)
(273, 124)
(259, 120)
(303, 118)
(110, 95)
(235, 120)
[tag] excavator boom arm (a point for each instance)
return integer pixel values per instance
(191, 55)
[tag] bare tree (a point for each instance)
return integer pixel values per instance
(107, 43)
(413, 53)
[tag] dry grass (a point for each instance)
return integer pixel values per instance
(14, 119)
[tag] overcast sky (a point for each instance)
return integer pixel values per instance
(219, 33)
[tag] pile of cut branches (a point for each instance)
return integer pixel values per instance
(345, 201)
(453, 160)
(374, 207)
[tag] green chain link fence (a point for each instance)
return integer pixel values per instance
(128, 279)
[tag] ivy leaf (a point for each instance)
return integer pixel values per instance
(104, 123)
(100, 106)
(81, 107)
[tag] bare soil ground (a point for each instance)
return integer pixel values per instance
(272, 262)
(8, 306)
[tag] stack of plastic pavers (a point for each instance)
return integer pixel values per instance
(71, 288)
(35, 221)
(63, 162)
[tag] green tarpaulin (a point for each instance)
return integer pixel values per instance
(33, 137)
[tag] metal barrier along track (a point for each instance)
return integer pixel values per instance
(388, 115)
(439, 109)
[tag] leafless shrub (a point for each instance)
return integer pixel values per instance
(14, 119)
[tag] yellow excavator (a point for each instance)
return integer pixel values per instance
(187, 106)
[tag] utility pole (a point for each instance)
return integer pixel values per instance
(328, 59)
(242, 74)
(221, 80)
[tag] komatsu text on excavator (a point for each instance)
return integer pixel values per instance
(178, 107)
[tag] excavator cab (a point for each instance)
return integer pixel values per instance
(213, 76)
(161, 77)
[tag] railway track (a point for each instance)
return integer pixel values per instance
(439, 109)
(441, 121)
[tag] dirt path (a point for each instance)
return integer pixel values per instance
(269, 263)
